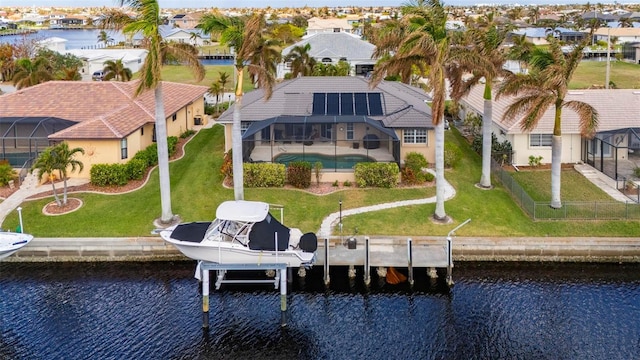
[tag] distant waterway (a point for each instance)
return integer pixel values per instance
(76, 38)
(153, 311)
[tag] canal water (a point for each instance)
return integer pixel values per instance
(153, 311)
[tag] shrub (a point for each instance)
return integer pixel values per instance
(109, 174)
(187, 133)
(142, 156)
(209, 109)
(172, 143)
(452, 155)
(264, 175)
(136, 169)
(152, 154)
(6, 173)
(636, 172)
(227, 165)
(384, 175)
(347, 183)
(413, 172)
(299, 174)
(335, 184)
(535, 161)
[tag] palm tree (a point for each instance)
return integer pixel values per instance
(486, 43)
(103, 37)
(301, 62)
(47, 163)
(215, 89)
(425, 46)
(116, 70)
(147, 22)
(521, 50)
(65, 159)
(69, 74)
(545, 85)
(266, 56)
(28, 73)
(245, 35)
(223, 80)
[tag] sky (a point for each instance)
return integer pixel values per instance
(273, 3)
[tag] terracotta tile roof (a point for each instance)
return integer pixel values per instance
(103, 110)
(617, 109)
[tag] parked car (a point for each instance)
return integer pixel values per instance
(98, 75)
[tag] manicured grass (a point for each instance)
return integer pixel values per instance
(182, 74)
(575, 187)
(623, 74)
(196, 188)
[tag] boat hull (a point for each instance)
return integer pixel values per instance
(224, 253)
(11, 242)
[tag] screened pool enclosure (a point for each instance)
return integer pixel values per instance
(23, 138)
(616, 153)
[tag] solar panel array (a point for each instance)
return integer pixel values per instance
(367, 104)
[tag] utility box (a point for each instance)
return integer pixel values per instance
(352, 243)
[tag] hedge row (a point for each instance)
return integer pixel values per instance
(264, 175)
(383, 175)
(120, 174)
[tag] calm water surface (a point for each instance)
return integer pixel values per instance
(153, 311)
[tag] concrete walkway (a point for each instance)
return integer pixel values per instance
(602, 181)
(332, 220)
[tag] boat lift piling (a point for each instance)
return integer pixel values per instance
(280, 280)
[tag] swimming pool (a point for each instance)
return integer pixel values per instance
(328, 161)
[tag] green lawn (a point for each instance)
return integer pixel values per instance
(182, 74)
(623, 74)
(575, 187)
(196, 186)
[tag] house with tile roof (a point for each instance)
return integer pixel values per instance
(339, 117)
(331, 47)
(103, 118)
(616, 146)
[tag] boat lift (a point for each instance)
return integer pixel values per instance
(280, 281)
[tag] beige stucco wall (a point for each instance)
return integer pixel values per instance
(109, 151)
(428, 149)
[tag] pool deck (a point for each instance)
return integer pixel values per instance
(267, 153)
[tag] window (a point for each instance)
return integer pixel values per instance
(174, 117)
(142, 131)
(244, 125)
(124, 153)
(415, 136)
(326, 131)
(540, 139)
(349, 134)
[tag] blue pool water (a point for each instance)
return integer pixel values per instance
(328, 161)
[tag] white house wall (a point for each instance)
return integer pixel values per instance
(571, 149)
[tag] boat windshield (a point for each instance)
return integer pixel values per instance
(228, 230)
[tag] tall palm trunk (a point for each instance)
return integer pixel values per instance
(163, 157)
(440, 214)
(487, 121)
(556, 157)
(64, 191)
(236, 140)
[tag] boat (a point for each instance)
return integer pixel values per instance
(10, 242)
(243, 232)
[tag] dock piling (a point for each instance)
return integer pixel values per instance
(410, 260)
(326, 262)
(367, 266)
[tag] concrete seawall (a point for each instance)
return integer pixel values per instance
(569, 249)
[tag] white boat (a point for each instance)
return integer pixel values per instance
(10, 242)
(243, 232)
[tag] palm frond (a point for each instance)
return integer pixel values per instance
(588, 116)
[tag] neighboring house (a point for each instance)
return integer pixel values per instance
(103, 118)
(93, 60)
(538, 36)
(190, 36)
(330, 48)
(337, 117)
(624, 35)
(54, 44)
(67, 22)
(185, 21)
(617, 121)
(318, 25)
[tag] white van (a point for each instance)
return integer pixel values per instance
(98, 75)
